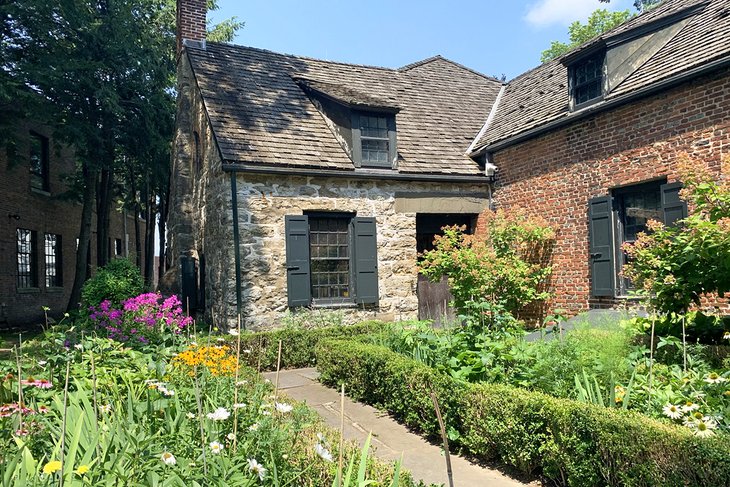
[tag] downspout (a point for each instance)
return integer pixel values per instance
(236, 245)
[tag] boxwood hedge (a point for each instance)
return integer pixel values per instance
(570, 442)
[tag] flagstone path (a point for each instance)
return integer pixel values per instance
(390, 439)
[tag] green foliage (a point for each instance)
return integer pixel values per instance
(599, 22)
(675, 266)
(117, 281)
(570, 442)
(260, 349)
(139, 406)
(507, 266)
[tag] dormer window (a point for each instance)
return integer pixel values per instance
(587, 79)
(373, 139)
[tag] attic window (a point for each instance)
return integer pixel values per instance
(374, 139)
(586, 79)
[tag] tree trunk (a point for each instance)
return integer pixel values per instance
(137, 209)
(161, 226)
(103, 208)
(149, 235)
(83, 248)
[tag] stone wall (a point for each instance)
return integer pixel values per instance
(554, 175)
(264, 201)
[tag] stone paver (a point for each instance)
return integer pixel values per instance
(390, 439)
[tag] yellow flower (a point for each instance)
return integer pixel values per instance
(51, 467)
(82, 469)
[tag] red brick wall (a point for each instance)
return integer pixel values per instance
(21, 207)
(190, 21)
(555, 174)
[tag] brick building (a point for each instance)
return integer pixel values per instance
(590, 141)
(39, 226)
(280, 158)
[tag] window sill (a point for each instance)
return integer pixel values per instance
(627, 297)
(29, 290)
(40, 191)
(55, 289)
(334, 305)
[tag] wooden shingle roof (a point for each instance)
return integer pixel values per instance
(540, 96)
(261, 115)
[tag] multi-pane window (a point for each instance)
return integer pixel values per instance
(27, 263)
(54, 262)
(374, 139)
(587, 82)
(329, 246)
(636, 205)
(39, 162)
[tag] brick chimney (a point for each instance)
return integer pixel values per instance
(191, 22)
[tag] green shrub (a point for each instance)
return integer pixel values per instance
(570, 442)
(116, 281)
(260, 349)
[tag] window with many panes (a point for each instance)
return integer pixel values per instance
(54, 262)
(331, 259)
(374, 139)
(619, 218)
(634, 206)
(587, 79)
(27, 260)
(329, 250)
(39, 178)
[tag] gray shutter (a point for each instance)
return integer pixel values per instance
(298, 281)
(366, 260)
(356, 141)
(603, 269)
(674, 208)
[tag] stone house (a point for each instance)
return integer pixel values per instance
(303, 182)
(40, 225)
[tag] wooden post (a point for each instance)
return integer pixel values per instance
(278, 366)
(445, 440)
(342, 436)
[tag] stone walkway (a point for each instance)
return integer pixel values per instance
(390, 439)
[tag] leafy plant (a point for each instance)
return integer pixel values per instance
(507, 266)
(120, 279)
(677, 265)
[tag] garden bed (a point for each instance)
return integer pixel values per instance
(567, 441)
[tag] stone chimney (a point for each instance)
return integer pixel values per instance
(191, 22)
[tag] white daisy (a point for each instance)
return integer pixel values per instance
(283, 407)
(714, 378)
(190, 415)
(726, 336)
(42, 363)
(241, 383)
(231, 436)
(323, 452)
(233, 332)
(219, 414)
(705, 427)
(690, 406)
(254, 427)
(168, 458)
(672, 411)
(105, 408)
(256, 468)
(239, 405)
(246, 350)
(216, 447)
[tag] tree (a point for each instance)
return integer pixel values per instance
(101, 73)
(599, 22)
(641, 5)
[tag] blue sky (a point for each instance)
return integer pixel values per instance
(494, 37)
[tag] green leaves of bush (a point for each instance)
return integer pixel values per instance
(506, 265)
(116, 281)
(570, 442)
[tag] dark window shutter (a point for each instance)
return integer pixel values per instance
(366, 260)
(356, 141)
(298, 282)
(674, 208)
(603, 270)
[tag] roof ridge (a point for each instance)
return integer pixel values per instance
(296, 56)
(437, 57)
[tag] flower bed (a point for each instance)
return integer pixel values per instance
(570, 442)
(161, 415)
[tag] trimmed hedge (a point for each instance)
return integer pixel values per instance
(298, 344)
(570, 442)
